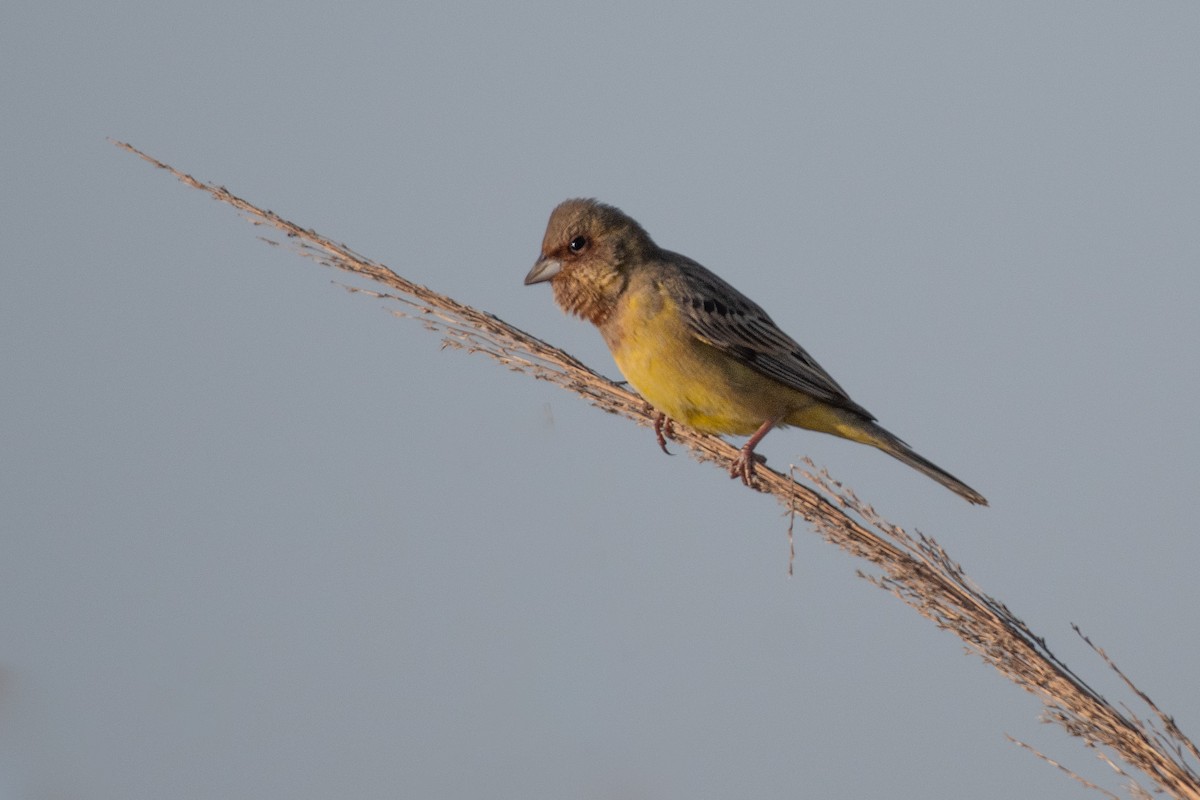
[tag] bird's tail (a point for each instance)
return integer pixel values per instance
(896, 448)
(855, 425)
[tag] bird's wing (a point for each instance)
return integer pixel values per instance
(721, 316)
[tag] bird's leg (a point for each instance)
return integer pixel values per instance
(743, 466)
(664, 428)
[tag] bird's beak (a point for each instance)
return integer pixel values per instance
(543, 270)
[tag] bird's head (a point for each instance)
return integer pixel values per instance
(587, 253)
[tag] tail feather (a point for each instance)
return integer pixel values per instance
(896, 448)
(850, 424)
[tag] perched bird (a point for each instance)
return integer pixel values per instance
(698, 350)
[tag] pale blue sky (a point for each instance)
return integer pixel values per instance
(261, 539)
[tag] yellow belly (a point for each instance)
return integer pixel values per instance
(693, 382)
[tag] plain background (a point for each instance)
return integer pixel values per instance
(260, 538)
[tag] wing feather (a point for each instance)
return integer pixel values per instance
(721, 316)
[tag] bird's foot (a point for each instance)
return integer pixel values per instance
(664, 428)
(743, 466)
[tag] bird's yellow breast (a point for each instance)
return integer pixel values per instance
(685, 378)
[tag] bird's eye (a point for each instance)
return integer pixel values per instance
(578, 244)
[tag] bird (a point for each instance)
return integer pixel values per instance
(699, 351)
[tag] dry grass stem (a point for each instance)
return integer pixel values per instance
(913, 567)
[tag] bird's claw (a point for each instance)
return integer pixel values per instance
(743, 466)
(664, 428)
